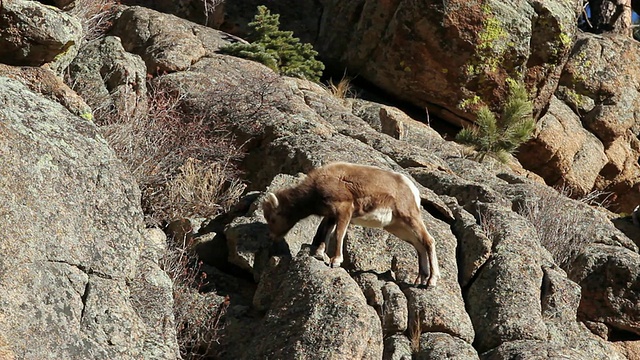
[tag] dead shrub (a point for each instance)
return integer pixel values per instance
(561, 228)
(488, 225)
(157, 145)
(242, 107)
(214, 128)
(199, 317)
(96, 16)
(208, 8)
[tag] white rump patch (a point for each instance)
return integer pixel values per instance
(377, 218)
(414, 189)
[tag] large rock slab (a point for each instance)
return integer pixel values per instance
(397, 347)
(209, 13)
(563, 152)
(609, 279)
(165, 42)
(298, 126)
(560, 299)
(490, 255)
(152, 289)
(588, 84)
(444, 346)
(318, 312)
(45, 82)
(71, 238)
(528, 349)
(507, 286)
(395, 46)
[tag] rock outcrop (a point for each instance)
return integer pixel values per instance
(602, 270)
(305, 131)
(209, 12)
(598, 84)
(44, 82)
(502, 297)
(111, 79)
(316, 312)
(34, 34)
(563, 152)
(166, 43)
(449, 57)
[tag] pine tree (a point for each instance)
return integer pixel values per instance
(501, 137)
(278, 49)
(254, 52)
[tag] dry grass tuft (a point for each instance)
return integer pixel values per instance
(488, 225)
(415, 332)
(598, 198)
(560, 225)
(202, 189)
(96, 16)
(341, 90)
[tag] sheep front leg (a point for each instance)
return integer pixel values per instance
(434, 274)
(429, 259)
(321, 240)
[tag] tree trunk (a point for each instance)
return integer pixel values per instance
(611, 16)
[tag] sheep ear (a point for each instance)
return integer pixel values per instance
(271, 200)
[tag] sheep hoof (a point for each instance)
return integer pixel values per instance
(425, 280)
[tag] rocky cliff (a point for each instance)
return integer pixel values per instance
(452, 57)
(526, 272)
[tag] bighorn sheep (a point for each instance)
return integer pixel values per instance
(345, 193)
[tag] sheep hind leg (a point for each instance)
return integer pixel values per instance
(430, 259)
(410, 232)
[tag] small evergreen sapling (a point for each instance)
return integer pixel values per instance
(501, 137)
(277, 49)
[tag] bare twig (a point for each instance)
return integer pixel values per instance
(586, 16)
(426, 110)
